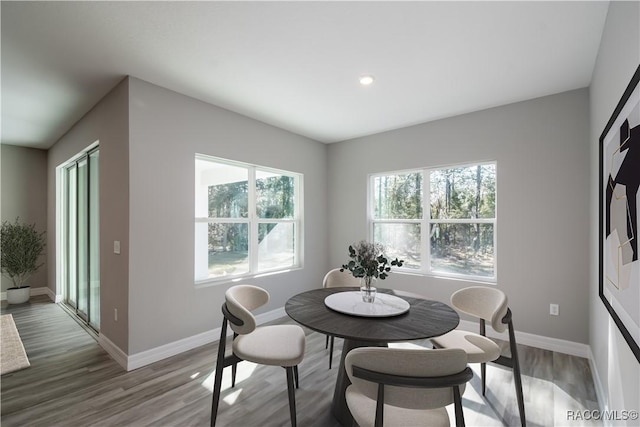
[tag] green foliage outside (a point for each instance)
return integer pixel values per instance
(229, 200)
(454, 193)
(274, 199)
(398, 196)
(462, 193)
(20, 248)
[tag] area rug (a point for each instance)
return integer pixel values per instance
(12, 354)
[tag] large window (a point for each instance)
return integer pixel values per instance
(440, 221)
(248, 219)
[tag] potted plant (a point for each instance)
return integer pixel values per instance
(21, 246)
(369, 262)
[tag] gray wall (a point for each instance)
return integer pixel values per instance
(167, 130)
(542, 201)
(24, 195)
(618, 58)
(108, 123)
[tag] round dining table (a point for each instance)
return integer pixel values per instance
(424, 319)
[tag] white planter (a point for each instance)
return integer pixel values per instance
(18, 295)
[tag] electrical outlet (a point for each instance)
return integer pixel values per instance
(554, 309)
(115, 314)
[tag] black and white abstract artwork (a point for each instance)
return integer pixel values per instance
(620, 202)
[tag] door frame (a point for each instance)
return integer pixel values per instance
(61, 228)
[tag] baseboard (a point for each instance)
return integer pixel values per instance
(114, 351)
(156, 354)
(148, 357)
(600, 394)
(538, 341)
(42, 290)
(46, 291)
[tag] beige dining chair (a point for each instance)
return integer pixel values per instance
(337, 279)
(276, 345)
(406, 387)
(488, 305)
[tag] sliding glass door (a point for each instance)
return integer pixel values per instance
(81, 237)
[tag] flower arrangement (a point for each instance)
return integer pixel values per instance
(368, 261)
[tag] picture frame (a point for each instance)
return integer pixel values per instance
(619, 175)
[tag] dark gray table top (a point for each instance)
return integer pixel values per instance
(425, 318)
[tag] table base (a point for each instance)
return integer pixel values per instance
(339, 406)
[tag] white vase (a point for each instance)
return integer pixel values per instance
(18, 295)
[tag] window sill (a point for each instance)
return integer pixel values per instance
(459, 278)
(206, 283)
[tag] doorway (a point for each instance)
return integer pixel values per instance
(80, 225)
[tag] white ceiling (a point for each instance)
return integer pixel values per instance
(293, 64)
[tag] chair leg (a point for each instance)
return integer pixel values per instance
(326, 342)
(292, 395)
(483, 366)
(457, 404)
(517, 378)
(234, 371)
(234, 367)
(217, 383)
(520, 397)
(331, 351)
(295, 373)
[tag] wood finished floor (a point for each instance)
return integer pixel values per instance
(73, 382)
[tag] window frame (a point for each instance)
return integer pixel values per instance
(253, 221)
(425, 222)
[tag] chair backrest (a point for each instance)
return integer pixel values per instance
(337, 279)
(241, 300)
(417, 363)
(483, 302)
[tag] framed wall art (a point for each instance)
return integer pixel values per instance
(619, 215)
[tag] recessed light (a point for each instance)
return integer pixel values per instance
(366, 79)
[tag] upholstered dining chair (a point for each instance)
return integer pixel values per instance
(336, 279)
(406, 387)
(488, 305)
(276, 345)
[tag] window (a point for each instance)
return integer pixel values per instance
(247, 219)
(440, 221)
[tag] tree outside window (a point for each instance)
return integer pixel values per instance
(440, 221)
(247, 219)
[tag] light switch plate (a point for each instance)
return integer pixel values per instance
(116, 247)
